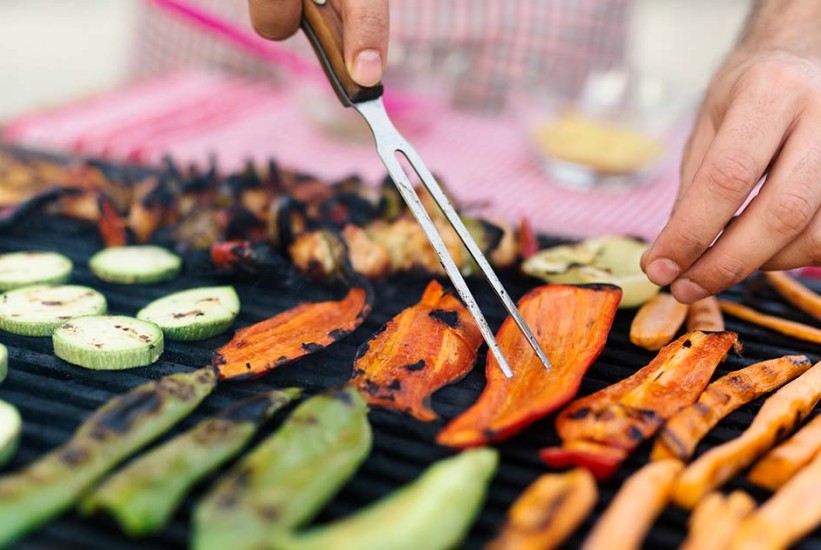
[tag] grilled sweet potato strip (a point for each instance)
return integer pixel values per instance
(799, 331)
(794, 292)
(716, 519)
(598, 431)
(780, 464)
(635, 507)
(789, 514)
(425, 347)
(657, 322)
(777, 417)
(548, 512)
(680, 435)
(292, 334)
(571, 323)
(705, 315)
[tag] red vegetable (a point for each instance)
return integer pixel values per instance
(292, 334)
(600, 430)
(425, 347)
(572, 324)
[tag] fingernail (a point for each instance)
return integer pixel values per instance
(663, 271)
(367, 68)
(687, 292)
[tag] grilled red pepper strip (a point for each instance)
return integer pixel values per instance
(292, 334)
(425, 347)
(111, 226)
(571, 323)
(600, 430)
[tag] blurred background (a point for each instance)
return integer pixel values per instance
(551, 99)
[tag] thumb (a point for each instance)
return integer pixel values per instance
(365, 36)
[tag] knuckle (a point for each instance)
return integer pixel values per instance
(732, 175)
(789, 214)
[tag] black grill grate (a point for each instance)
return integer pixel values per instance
(54, 397)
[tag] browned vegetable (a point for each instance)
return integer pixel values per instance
(425, 347)
(794, 292)
(657, 322)
(548, 512)
(778, 416)
(790, 328)
(705, 315)
(782, 463)
(716, 519)
(789, 515)
(680, 435)
(635, 507)
(292, 334)
(600, 430)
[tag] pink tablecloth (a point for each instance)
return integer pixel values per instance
(485, 162)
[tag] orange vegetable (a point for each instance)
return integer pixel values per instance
(111, 226)
(789, 515)
(598, 431)
(657, 322)
(794, 292)
(548, 512)
(425, 347)
(292, 334)
(784, 410)
(625, 523)
(790, 328)
(705, 315)
(680, 435)
(782, 463)
(571, 324)
(716, 519)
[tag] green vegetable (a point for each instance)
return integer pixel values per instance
(125, 424)
(287, 479)
(194, 314)
(4, 362)
(135, 264)
(434, 512)
(143, 496)
(18, 269)
(38, 310)
(108, 342)
(10, 425)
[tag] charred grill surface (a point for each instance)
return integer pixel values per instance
(55, 397)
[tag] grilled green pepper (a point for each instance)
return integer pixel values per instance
(433, 512)
(50, 485)
(285, 481)
(143, 496)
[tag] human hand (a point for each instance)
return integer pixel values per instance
(761, 115)
(365, 31)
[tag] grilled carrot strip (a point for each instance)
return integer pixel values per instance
(716, 519)
(571, 324)
(548, 512)
(427, 346)
(794, 292)
(777, 417)
(680, 435)
(657, 322)
(635, 507)
(781, 464)
(705, 315)
(600, 430)
(292, 334)
(789, 515)
(790, 328)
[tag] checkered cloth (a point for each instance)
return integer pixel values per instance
(487, 46)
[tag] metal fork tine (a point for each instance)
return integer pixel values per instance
(388, 143)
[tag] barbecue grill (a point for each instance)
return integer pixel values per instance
(54, 397)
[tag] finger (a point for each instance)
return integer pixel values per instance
(365, 36)
(782, 210)
(746, 141)
(275, 19)
(804, 251)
